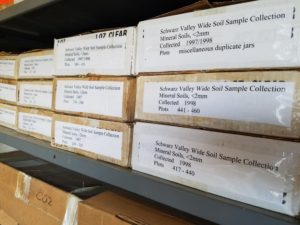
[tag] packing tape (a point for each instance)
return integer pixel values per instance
(70, 217)
(23, 187)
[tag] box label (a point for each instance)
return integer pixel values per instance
(96, 97)
(92, 139)
(39, 95)
(35, 123)
(37, 66)
(238, 36)
(107, 53)
(8, 116)
(8, 92)
(260, 102)
(7, 68)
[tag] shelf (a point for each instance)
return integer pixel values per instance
(197, 203)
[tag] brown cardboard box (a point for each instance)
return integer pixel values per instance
(256, 102)
(8, 91)
(110, 208)
(110, 98)
(36, 64)
(98, 139)
(36, 94)
(6, 219)
(8, 116)
(35, 122)
(8, 66)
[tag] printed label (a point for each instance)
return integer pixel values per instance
(8, 116)
(7, 68)
(37, 66)
(36, 95)
(238, 37)
(8, 92)
(96, 140)
(35, 123)
(261, 102)
(107, 53)
(97, 97)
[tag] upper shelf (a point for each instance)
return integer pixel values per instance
(34, 24)
(197, 203)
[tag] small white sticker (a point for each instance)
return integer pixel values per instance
(261, 102)
(8, 92)
(37, 66)
(8, 116)
(96, 97)
(7, 68)
(39, 95)
(96, 140)
(35, 123)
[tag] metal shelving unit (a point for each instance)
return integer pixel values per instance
(34, 24)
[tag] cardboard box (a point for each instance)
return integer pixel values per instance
(258, 34)
(37, 94)
(8, 116)
(37, 64)
(6, 219)
(96, 97)
(109, 52)
(110, 208)
(8, 66)
(36, 123)
(265, 103)
(8, 91)
(98, 139)
(256, 171)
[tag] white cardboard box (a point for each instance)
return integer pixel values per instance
(257, 171)
(8, 66)
(8, 116)
(37, 94)
(108, 52)
(8, 91)
(258, 34)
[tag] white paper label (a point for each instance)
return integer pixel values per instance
(261, 102)
(35, 123)
(8, 116)
(37, 66)
(7, 68)
(96, 140)
(252, 35)
(8, 92)
(97, 97)
(106, 53)
(39, 95)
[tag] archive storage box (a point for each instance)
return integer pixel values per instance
(36, 94)
(8, 66)
(35, 122)
(98, 139)
(8, 116)
(97, 97)
(8, 91)
(109, 52)
(37, 64)
(264, 102)
(258, 34)
(256, 171)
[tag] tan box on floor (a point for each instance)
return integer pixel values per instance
(97, 97)
(37, 64)
(265, 103)
(35, 197)
(8, 66)
(8, 116)
(6, 219)
(8, 91)
(36, 94)
(114, 209)
(99, 139)
(35, 122)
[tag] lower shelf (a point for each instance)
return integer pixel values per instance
(197, 203)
